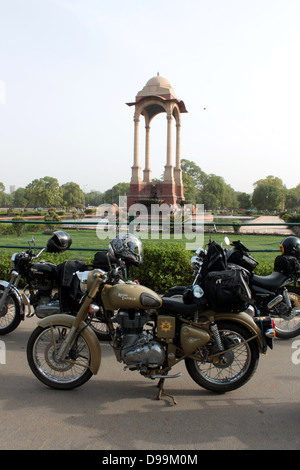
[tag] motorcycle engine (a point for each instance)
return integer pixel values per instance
(138, 348)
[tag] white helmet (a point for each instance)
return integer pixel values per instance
(128, 247)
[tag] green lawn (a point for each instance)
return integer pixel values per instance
(88, 239)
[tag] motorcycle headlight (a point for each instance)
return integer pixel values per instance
(83, 278)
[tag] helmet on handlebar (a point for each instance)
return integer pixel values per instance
(128, 247)
(59, 242)
(290, 246)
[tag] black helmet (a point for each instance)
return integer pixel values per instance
(290, 246)
(128, 247)
(59, 242)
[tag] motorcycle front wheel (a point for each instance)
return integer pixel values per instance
(230, 370)
(42, 348)
(10, 316)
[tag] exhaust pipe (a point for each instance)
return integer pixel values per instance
(270, 333)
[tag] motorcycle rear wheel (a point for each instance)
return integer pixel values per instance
(42, 348)
(10, 317)
(230, 370)
(289, 326)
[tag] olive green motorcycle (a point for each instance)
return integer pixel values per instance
(153, 334)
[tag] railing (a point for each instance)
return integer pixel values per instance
(214, 225)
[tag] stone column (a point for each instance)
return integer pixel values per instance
(136, 171)
(168, 178)
(147, 171)
(177, 170)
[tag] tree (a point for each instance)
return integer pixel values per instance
(189, 188)
(20, 198)
(244, 200)
(271, 180)
(267, 197)
(193, 178)
(213, 192)
(268, 193)
(72, 195)
(292, 199)
(94, 198)
(111, 196)
(44, 192)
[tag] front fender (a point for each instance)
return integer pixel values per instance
(247, 321)
(87, 333)
(17, 295)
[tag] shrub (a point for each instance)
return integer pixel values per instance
(237, 226)
(5, 267)
(18, 228)
(165, 265)
(6, 229)
(264, 268)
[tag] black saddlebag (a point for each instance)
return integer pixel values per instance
(103, 260)
(69, 285)
(288, 265)
(227, 291)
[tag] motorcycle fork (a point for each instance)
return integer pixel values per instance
(75, 329)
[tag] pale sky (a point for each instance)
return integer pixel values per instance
(68, 68)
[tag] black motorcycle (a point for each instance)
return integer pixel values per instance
(276, 295)
(41, 280)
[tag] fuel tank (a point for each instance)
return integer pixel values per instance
(129, 296)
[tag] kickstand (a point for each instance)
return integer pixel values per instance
(161, 391)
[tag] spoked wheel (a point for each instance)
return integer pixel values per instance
(10, 316)
(288, 326)
(42, 349)
(229, 370)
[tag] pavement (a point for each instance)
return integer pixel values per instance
(118, 410)
(271, 229)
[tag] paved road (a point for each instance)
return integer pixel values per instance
(267, 229)
(118, 409)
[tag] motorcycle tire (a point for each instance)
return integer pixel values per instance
(10, 318)
(41, 356)
(230, 370)
(289, 327)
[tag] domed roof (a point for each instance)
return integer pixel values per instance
(158, 86)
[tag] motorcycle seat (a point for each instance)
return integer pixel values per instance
(176, 305)
(272, 281)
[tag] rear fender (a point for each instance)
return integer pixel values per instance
(87, 333)
(245, 320)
